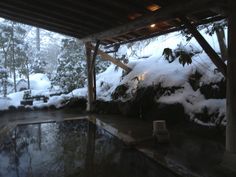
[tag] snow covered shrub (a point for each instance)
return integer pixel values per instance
(214, 90)
(207, 116)
(12, 108)
(210, 90)
(4, 80)
(168, 54)
(183, 53)
(194, 80)
(120, 91)
(101, 65)
(38, 66)
(104, 86)
(184, 57)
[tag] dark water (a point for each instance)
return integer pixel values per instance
(71, 149)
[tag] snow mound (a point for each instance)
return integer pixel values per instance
(107, 82)
(39, 82)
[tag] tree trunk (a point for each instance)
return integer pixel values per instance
(27, 74)
(38, 39)
(13, 58)
(5, 76)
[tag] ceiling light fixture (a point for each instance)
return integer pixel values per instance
(153, 7)
(153, 25)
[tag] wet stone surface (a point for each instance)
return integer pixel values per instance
(71, 149)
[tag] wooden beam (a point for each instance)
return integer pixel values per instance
(141, 37)
(100, 8)
(111, 59)
(90, 77)
(122, 38)
(39, 19)
(127, 6)
(95, 54)
(161, 15)
(206, 47)
(51, 15)
(111, 40)
(92, 68)
(72, 9)
(229, 159)
(219, 10)
(158, 33)
(63, 9)
(231, 84)
(41, 24)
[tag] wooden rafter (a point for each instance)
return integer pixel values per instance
(68, 12)
(50, 20)
(32, 11)
(159, 33)
(109, 21)
(162, 14)
(52, 26)
(101, 8)
(81, 10)
(109, 58)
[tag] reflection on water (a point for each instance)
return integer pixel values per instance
(70, 149)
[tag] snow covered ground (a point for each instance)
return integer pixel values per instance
(153, 70)
(40, 85)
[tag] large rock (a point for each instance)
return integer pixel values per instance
(172, 113)
(77, 103)
(106, 107)
(143, 104)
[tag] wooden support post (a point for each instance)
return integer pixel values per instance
(90, 77)
(206, 47)
(230, 155)
(93, 69)
(231, 84)
(111, 59)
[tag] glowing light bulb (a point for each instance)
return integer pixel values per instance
(152, 25)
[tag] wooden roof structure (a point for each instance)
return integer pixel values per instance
(111, 21)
